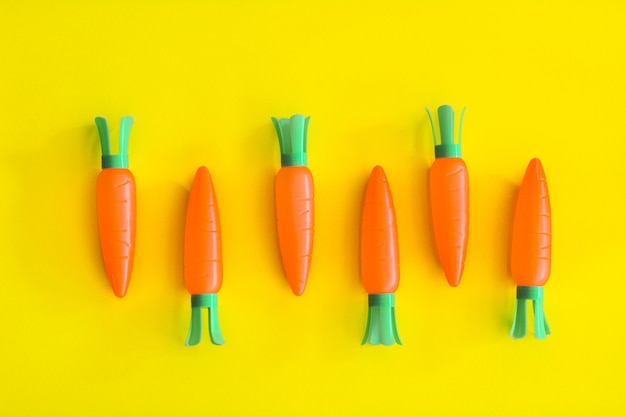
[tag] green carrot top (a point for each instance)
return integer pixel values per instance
(534, 293)
(292, 137)
(381, 325)
(448, 148)
(119, 160)
(198, 302)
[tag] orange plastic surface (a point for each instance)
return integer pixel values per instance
(380, 262)
(203, 242)
(532, 229)
(449, 203)
(116, 204)
(294, 219)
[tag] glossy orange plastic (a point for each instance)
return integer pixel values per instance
(116, 204)
(294, 219)
(532, 229)
(380, 264)
(203, 243)
(449, 201)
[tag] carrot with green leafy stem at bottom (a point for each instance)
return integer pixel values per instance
(531, 249)
(294, 201)
(380, 265)
(203, 257)
(116, 205)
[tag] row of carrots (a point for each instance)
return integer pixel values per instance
(294, 204)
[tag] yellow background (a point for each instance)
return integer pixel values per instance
(202, 80)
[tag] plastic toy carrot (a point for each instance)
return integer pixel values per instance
(531, 249)
(116, 205)
(203, 257)
(294, 201)
(449, 197)
(380, 266)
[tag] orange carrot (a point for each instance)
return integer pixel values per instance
(531, 249)
(449, 198)
(380, 265)
(294, 201)
(203, 257)
(116, 204)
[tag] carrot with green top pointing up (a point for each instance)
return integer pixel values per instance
(531, 249)
(116, 203)
(294, 201)
(449, 197)
(203, 257)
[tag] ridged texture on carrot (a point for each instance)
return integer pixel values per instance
(294, 201)
(203, 245)
(532, 229)
(116, 204)
(449, 196)
(531, 249)
(380, 266)
(203, 257)
(294, 219)
(449, 199)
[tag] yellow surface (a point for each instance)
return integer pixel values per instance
(202, 80)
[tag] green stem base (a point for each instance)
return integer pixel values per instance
(519, 322)
(198, 302)
(114, 160)
(381, 321)
(292, 137)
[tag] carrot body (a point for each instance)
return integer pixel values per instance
(294, 214)
(449, 198)
(116, 205)
(203, 256)
(380, 265)
(532, 229)
(531, 249)
(294, 202)
(203, 244)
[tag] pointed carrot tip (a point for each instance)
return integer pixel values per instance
(378, 172)
(119, 292)
(298, 288)
(535, 167)
(454, 279)
(454, 282)
(202, 176)
(119, 286)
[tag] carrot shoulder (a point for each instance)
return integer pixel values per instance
(380, 265)
(449, 197)
(294, 201)
(116, 205)
(203, 257)
(531, 249)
